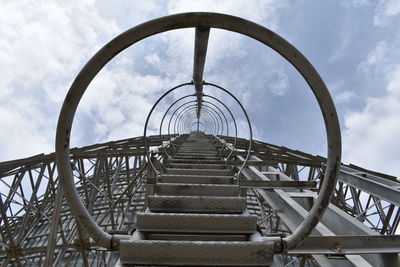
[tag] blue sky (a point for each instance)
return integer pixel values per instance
(354, 45)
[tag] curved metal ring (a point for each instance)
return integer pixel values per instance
(219, 116)
(248, 123)
(200, 123)
(162, 120)
(234, 123)
(184, 114)
(172, 116)
(177, 116)
(214, 118)
(187, 20)
(146, 147)
(177, 122)
(223, 115)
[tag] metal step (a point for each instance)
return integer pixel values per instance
(200, 146)
(177, 189)
(197, 156)
(194, 154)
(196, 179)
(197, 204)
(195, 237)
(172, 252)
(197, 161)
(197, 150)
(196, 216)
(198, 171)
(196, 166)
(200, 223)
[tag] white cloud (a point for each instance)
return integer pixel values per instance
(43, 44)
(376, 60)
(344, 97)
(371, 136)
(355, 3)
(259, 11)
(25, 130)
(153, 59)
(280, 85)
(222, 44)
(120, 101)
(386, 10)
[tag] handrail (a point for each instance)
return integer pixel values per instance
(165, 114)
(146, 147)
(247, 119)
(233, 119)
(223, 115)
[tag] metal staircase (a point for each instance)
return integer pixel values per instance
(185, 197)
(196, 215)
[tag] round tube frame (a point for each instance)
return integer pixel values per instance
(213, 117)
(189, 20)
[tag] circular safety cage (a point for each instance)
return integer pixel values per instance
(195, 122)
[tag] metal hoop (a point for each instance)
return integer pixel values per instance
(162, 121)
(186, 20)
(234, 123)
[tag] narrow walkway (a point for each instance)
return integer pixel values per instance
(196, 215)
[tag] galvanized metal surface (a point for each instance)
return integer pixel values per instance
(207, 20)
(200, 52)
(37, 226)
(67, 250)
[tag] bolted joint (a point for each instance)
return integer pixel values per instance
(116, 240)
(277, 243)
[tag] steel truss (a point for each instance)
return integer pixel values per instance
(43, 221)
(110, 180)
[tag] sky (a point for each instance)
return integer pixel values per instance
(353, 44)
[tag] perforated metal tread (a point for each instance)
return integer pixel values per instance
(196, 217)
(196, 252)
(196, 179)
(197, 161)
(178, 189)
(198, 171)
(197, 204)
(184, 222)
(196, 166)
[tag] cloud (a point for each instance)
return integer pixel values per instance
(344, 97)
(355, 3)
(385, 11)
(376, 60)
(43, 46)
(371, 135)
(120, 101)
(24, 129)
(260, 11)
(281, 84)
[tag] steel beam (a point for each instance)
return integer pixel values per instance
(382, 188)
(349, 244)
(200, 51)
(293, 211)
(277, 184)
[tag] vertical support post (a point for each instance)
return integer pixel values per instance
(151, 180)
(54, 227)
(200, 51)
